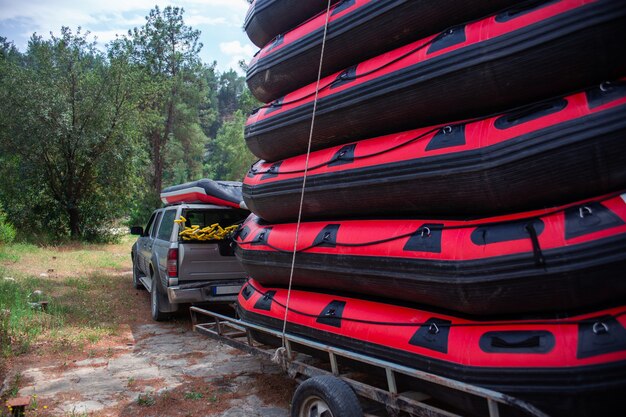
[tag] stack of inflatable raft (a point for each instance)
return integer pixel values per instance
(464, 205)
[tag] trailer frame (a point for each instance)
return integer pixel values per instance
(237, 333)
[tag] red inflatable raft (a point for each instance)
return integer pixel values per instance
(565, 365)
(561, 259)
(524, 54)
(357, 30)
(221, 193)
(552, 152)
(267, 18)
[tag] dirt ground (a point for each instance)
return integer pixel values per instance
(152, 369)
(134, 367)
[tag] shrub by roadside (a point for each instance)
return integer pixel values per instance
(7, 231)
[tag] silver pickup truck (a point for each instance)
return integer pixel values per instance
(176, 271)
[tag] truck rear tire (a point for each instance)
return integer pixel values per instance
(156, 302)
(136, 283)
(325, 396)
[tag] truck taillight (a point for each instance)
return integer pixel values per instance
(172, 263)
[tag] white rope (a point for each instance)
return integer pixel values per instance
(306, 167)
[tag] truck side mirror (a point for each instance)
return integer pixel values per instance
(136, 230)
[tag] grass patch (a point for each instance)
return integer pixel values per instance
(192, 395)
(146, 400)
(22, 317)
(82, 290)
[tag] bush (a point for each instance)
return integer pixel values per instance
(7, 231)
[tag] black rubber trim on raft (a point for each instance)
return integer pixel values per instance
(246, 292)
(498, 285)
(521, 9)
(529, 113)
(481, 178)
(569, 258)
(600, 335)
(576, 35)
(269, 18)
(332, 314)
(433, 335)
(427, 238)
(590, 218)
(265, 302)
(447, 137)
(517, 341)
(607, 92)
(510, 380)
(505, 232)
(376, 27)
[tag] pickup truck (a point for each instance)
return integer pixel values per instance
(177, 271)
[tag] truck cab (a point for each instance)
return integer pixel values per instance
(177, 271)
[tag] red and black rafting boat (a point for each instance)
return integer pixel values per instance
(357, 30)
(221, 193)
(561, 259)
(549, 153)
(524, 54)
(565, 365)
(267, 18)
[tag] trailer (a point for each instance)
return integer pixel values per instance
(333, 383)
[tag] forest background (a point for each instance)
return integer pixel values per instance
(89, 137)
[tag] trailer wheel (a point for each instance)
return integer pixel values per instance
(325, 396)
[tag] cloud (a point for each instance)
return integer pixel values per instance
(236, 48)
(237, 52)
(198, 20)
(106, 36)
(219, 21)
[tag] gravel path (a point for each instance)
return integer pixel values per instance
(162, 363)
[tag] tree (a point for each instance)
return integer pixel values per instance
(168, 51)
(68, 133)
(229, 158)
(231, 87)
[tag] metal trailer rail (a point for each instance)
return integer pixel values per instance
(236, 333)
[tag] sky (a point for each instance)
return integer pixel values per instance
(220, 22)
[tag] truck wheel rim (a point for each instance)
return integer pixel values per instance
(315, 407)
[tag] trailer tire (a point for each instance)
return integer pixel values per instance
(325, 396)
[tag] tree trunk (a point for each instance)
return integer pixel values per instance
(74, 216)
(157, 160)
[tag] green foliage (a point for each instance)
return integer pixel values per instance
(7, 231)
(146, 400)
(193, 395)
(88, 139)
(167, 51)
(72, 120)
(229, 158)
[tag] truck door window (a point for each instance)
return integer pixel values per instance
(167, 225)
(153, 229)
(146, 231)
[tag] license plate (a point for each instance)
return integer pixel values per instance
(226, 290)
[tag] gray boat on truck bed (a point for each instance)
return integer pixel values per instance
(177, 271)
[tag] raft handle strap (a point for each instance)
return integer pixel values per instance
(540, 260)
